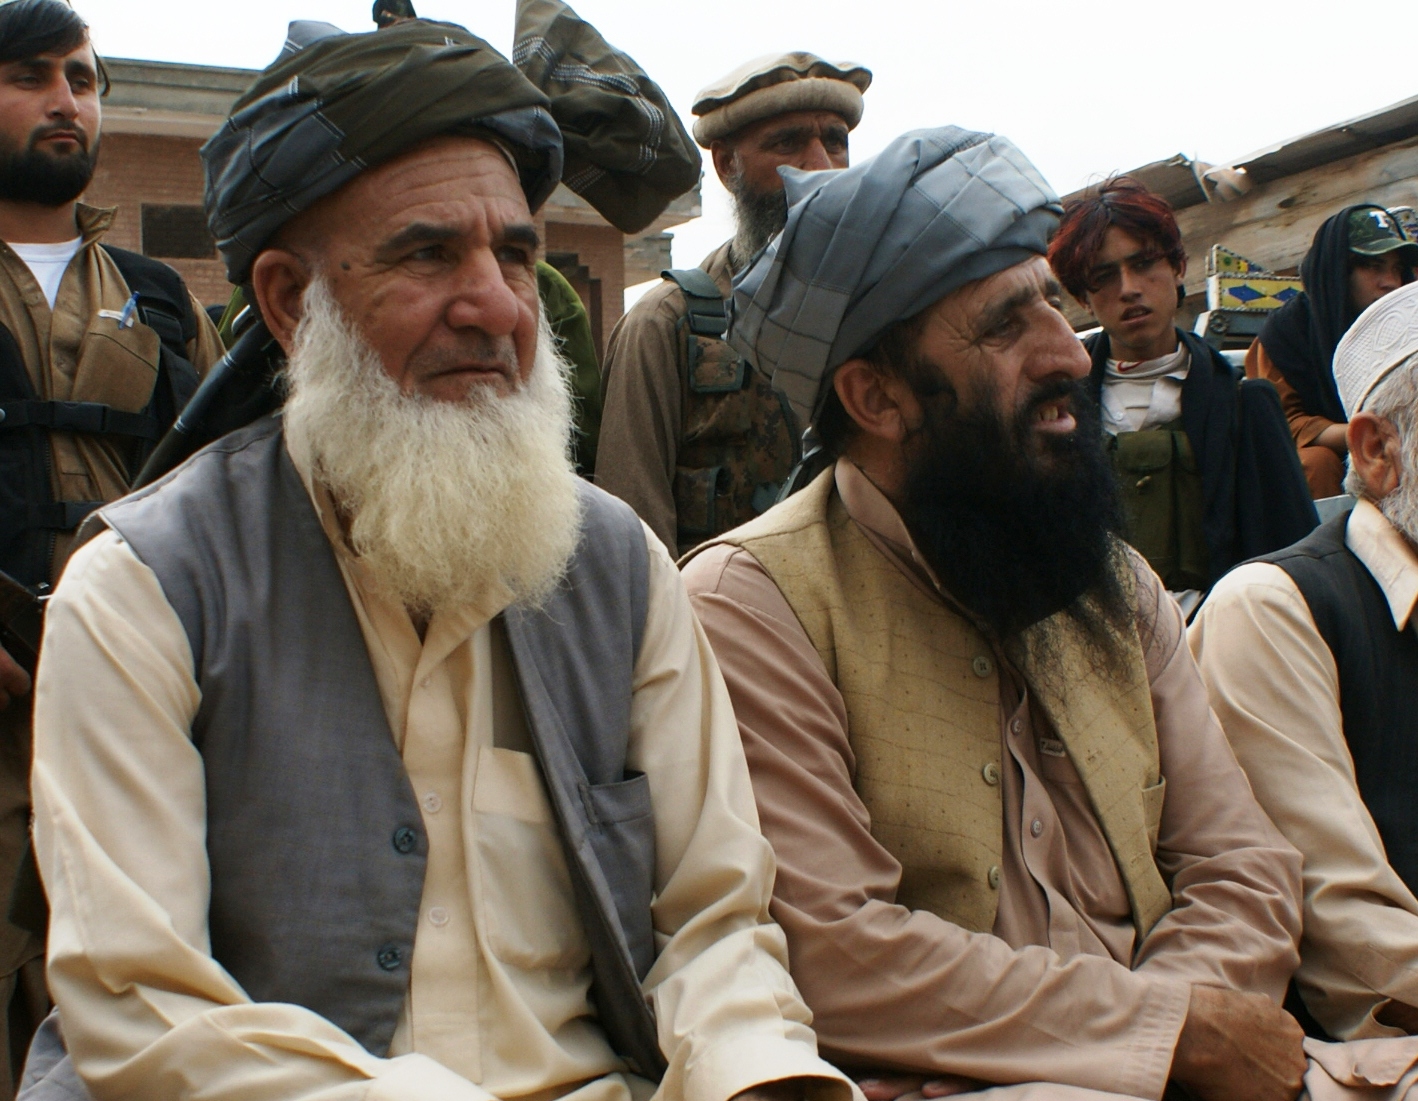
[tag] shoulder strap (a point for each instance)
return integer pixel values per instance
(707, 315)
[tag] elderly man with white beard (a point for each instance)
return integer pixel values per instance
(1311, 660)
(378, 756)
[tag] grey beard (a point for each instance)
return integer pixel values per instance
(1400, 508)
(758, 218)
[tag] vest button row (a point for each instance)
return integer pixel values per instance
(389, 957)
(991, 773)
(983, 666)
(406, 840)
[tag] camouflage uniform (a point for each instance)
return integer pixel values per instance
(696, 448)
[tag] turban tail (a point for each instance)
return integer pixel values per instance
(874, 244)
(627, 153)
(335, 104)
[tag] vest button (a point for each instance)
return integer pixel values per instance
(405, 839)
(991, 773)
(390, 957)
(993, 876)
(983, 666)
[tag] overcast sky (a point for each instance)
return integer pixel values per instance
(1084, 89)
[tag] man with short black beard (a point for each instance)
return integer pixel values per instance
(692, 437)
(377, 754)
(85, 388)
(1013, 845)
(1311, 659)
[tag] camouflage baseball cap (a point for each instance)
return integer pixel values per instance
(1373, 231)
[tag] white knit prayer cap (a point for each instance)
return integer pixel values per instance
(1383, 337)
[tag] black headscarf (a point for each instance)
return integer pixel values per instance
(1301, 336)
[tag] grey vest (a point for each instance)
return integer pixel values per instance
(314, 837)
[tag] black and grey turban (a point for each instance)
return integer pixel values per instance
(876, 243)
(333, 105)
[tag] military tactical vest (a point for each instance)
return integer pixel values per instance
(30, 517)
(1162, 494)
(740, 440)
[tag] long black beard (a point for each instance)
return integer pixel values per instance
(758, 218)
(31, 175)
(1017, 531)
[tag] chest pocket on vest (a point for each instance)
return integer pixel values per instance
(1161, 491)
(525, 901)
(718, 411)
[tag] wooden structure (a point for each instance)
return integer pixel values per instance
(1268, 205)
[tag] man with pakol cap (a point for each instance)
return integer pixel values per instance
(692, 437)
(1013, 845)
(1311, 659)
(416, 777)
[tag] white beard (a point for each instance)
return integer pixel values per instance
(447, 503)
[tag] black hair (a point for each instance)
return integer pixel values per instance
(32, 28)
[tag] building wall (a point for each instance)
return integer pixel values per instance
(602, 250)
(135, 169)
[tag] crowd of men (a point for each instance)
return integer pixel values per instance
(873, 692)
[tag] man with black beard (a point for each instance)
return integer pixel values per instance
(1013, 845)
(85, 387)
(692, 437)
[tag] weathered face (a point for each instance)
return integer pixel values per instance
(809, 140)
(1132, 291)
(432, 257)
(49, 123)
(1372, 277)
(1005, 335)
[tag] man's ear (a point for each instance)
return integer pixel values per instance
(1375, 453)
(279, 278)
(883, 406)
(724, 154)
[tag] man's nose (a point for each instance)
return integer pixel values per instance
(62, 104)
(1059, 353)
(814, 157)
(483, 299)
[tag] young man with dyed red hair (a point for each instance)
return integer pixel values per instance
(1207, 473)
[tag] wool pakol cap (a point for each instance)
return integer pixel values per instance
(1376, 345)
(776, 84)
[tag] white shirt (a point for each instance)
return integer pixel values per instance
(1138, 395)
(48, 263)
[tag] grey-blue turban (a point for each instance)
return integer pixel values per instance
(876, 243)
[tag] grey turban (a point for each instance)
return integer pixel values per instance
(876, 243)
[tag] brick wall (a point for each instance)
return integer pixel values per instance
(602, 250)
(134, 169)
